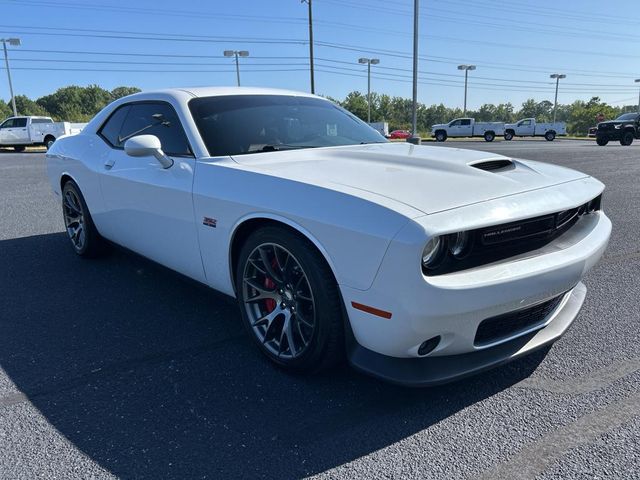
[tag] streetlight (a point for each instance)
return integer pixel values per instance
(369, 62)
(236, 53)
(466, 69)
(638, 81)
(313, 86)
(557, 76)
(414, 138)
(14, 42)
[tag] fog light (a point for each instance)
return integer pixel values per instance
(428, 345)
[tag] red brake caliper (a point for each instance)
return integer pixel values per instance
(270, 303)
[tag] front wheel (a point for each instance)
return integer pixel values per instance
(84, 237)
(289, 301)
(508, 136)
(489, 136)
(550, 136)
(627, 139)
(441, 136)
(602, 141)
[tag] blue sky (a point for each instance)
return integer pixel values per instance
(155, 44)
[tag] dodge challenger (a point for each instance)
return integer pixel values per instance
(418, 264)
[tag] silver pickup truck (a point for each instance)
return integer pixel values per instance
(22, 132)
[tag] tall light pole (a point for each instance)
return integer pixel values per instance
(466, 69)
(14, 42)
(557, 76)
(638, 81)
(236, 53)
(313, 85)
(369, 62)
(415, 138)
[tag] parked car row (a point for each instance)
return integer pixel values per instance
(468, 127)
(33, 131)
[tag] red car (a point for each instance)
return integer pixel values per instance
(400, 134)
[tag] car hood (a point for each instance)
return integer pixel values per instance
(427, 179)
(439, 125)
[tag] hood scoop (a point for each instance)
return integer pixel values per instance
(493, 165)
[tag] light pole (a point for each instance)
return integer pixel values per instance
(557, 76)
(14, 42)
(415, 138)
(236, 53)
(369, 62)
(638, 81)
(313, 85)
(466, 69)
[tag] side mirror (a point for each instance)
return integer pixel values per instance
(147, 146)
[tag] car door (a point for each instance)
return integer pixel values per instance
(5, 135)
(454, 129)
(149, 209)
(524, 128)
(14, 131)
(466, 130)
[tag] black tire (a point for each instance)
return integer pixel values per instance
(602, 141)
(441, 136)
(19, 149)
(550, 136)
(74, 207)
(325, 340)
(626, 139)
(48, 141)
(489, 136)
(508, 136)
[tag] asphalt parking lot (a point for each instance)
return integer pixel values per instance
(120, 368)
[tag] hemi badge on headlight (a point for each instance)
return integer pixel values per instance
(371, 310)
(210, 222)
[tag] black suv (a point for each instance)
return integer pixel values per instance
(624, 128)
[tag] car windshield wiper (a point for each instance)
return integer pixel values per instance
(280, 146)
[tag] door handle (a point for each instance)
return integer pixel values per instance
(109, 163)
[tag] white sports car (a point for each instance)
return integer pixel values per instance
(422, 264)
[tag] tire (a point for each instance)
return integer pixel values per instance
(508, 136)
(48, 141)
(550, 136)
(19, 149)
(489, 136)
(441, 136)
(83, 235)
(626, 139)
(602, 141)
(297, 280)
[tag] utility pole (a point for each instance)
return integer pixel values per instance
(236, 53)
(415, 138)
(557, 77)
(16, 43)
(369, 62)
(638, 81)
(466, 69)
(313, 86)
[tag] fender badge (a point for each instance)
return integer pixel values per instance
(209, 222)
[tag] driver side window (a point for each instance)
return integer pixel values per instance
(455, 123)
(8, 123)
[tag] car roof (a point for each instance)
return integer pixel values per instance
(221, 91)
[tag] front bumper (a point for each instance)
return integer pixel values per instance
(430, 371)
(613, 134)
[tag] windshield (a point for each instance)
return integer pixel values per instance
(627, 116)
(240, 124)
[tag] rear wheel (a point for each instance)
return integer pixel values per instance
(626, 139)
(489, 136)
(84, 237)
(508, 136)
(602, 141)
(550, 136)
(289, 301)
(48, 141)
(441, 136)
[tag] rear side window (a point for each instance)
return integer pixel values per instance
(158, 119)
(111, 129)
(19, 122)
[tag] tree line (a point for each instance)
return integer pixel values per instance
(80, 104)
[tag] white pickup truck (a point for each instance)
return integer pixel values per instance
(528, 127)
(467, 127)
(22, 132)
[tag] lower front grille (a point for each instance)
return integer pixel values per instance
(509, 324)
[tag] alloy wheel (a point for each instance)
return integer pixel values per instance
(74, 219)
(278, 300)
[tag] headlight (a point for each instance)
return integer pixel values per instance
(617, 126)
(459, 244)
(431, 254)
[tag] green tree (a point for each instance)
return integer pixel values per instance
(26, 106)
(356, 103)
(5, 110)
(74, 103)
(120, 92)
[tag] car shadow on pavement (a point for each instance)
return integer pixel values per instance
(152, 376)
